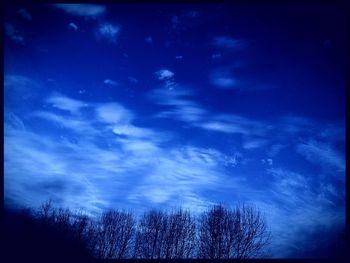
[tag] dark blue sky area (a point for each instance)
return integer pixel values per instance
(138, 106)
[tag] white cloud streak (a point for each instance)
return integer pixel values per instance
(83, 10)
(322, 154)
(73, 26)
(110, 82)
(186, 110)
(67, 104)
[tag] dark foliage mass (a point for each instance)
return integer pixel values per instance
(57, 236)
(218, 233)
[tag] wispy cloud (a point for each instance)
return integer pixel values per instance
(97, 155)
(187, 110)
(164, 74)
(187, 113)
(223, 79)
(67, 104)
(183, 108)
(76, 124)
(129, 149)
(73, 26)
(19, 83)
(84, 10)
(113, 113)
(227, 42)
(275, 149)
(295, 194)
(110, 82)
(334, 132)
(288, 181)
(11, 120)
(183, 20)
(133, 80)
(109, 32)
(133, 131)
(21, 92)
(322, 154)
(230, 123)
(14, 33)
(294, 124)
(254, 143)
(174, 97)
(167, 76)
(257, 135)
(25, 14)
(221, 127)
(36, 167)
(170, 177)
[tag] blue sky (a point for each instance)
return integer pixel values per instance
(139, 106)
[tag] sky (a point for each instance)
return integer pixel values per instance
(158, 106)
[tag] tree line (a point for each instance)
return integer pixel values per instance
(220, 232)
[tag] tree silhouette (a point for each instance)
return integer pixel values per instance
(47, 238)
(114, 232)
(232, 233)
(219, 233)
(180, 237)
(150, 235)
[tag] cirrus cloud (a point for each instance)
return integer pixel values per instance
(109, 32)
(226, 42)
(84, 10)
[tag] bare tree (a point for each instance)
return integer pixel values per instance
(114, 234)
(251, 232)
(62, 219)
(227, 233)
(81, 228)
(91, 234)
(215, 233)
(220, 233)
(179, 241)
(150, 235)
(46, 212)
